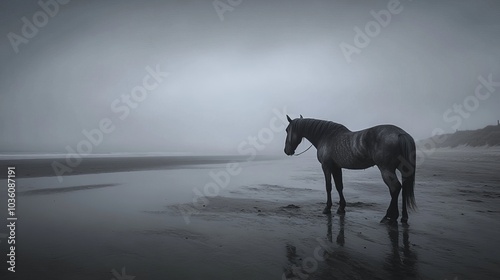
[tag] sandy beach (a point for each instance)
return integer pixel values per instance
(120, 218)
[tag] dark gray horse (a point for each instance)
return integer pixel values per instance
(387, 146)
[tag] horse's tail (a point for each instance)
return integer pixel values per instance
(407, 167)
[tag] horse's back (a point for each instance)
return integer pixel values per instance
(378, 145)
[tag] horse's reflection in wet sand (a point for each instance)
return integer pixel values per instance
(340, 236)
(400, 266)
(337, 262)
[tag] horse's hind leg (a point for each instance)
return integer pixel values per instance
(328, 182)
(391, 180)
(337, 177)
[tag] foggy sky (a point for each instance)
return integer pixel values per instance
(226, 77)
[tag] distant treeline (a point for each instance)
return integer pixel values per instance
(488, 136)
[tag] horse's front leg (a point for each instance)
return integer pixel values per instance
(328, 182)
(337, 177)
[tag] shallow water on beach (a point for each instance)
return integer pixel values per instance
(266, 224)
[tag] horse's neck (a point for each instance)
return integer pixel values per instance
(317, 131)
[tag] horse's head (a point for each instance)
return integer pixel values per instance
(293, 139)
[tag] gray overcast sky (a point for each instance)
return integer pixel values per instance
(226, 77)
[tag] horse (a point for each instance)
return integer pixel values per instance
(388, 147)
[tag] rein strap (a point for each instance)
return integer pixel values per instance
(303, 151)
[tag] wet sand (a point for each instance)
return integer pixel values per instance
(266, 224)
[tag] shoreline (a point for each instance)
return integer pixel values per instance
(42, 167)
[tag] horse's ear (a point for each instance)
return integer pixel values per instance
(301, 117)
(289, 120)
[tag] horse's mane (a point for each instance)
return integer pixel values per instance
(317, 129)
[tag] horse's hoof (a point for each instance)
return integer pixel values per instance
(327, 211)
(404, 222)
(341, 211)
